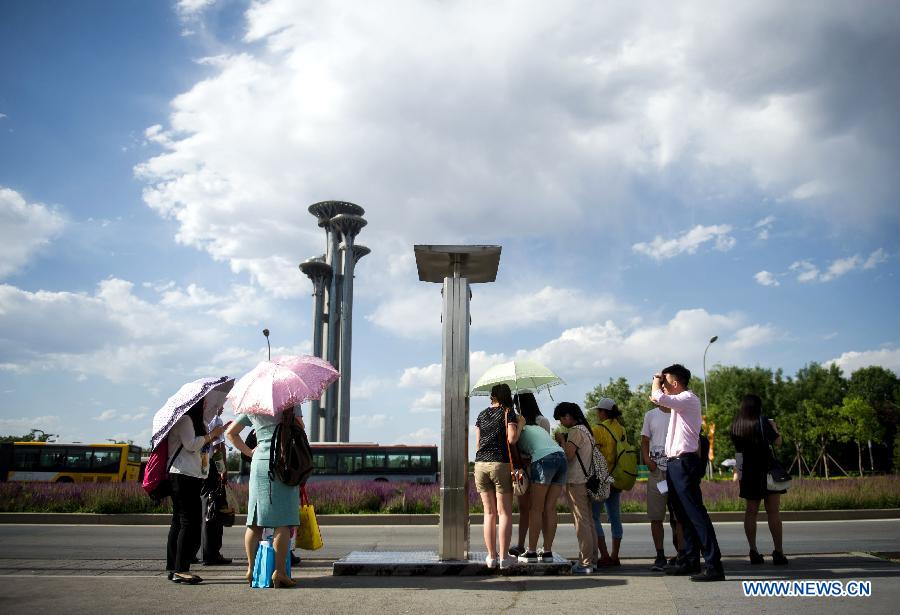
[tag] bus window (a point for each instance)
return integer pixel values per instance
(398, 461)
(420, 462)
(375, 461)
(78, 459)
(51, 459)
(324, 463)
(106, 460)
(26, 458)
(134, 454)
(350, 463)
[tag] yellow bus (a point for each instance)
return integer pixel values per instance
(69, 463)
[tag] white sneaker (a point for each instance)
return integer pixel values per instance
(507, 562)
(490, 562)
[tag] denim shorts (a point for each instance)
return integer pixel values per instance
(550, 470)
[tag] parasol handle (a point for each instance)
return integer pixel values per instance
(266, 333)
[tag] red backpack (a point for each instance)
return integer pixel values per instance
(156, 474)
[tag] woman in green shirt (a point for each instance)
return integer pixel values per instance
(548, 476)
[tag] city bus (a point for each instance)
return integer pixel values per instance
(69, 463)
(368, 461)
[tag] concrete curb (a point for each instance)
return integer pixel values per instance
(432, 520)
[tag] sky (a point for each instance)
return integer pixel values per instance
(656, 174)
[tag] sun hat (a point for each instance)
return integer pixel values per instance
(604, 403)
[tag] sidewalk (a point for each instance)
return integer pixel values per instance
(138, 586)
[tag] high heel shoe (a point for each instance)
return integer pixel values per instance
(279, 580)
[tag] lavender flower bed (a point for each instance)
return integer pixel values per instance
(349, 497)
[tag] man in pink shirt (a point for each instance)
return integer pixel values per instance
(684, 472)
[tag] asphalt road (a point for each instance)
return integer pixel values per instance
(142, 542)
(120, 569)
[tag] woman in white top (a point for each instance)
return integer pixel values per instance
(189, 460)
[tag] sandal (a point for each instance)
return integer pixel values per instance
(282, 580)
(186, 577)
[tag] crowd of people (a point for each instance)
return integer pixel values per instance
(674, 450)
(671, 446)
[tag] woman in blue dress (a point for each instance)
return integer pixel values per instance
(270, 503)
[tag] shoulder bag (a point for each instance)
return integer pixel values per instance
(598, 478)
(777, 478)
(517, 467)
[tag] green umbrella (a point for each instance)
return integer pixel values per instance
(519, 375)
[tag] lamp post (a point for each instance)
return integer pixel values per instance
(712, 340)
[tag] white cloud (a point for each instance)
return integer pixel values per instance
(115, 415)
(368, 421)
(428, 403)
(841, 267)
(407, 314)
(687, 243)
(849, 362)
(25, 228)
(592, 353)
(115, 334)
(875, 258)
(424, 435)
(192, 7)
(763, 227)
(806, 271)
(17, 426)
(752, 336)
(766, 278)
(367, 388)
(421, 377)
(427, 132)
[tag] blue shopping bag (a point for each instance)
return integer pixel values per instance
(264, 565)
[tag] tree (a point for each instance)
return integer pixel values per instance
(633, 404)
(880, 388)
(860, 424)
(29, 437)
(824, 425)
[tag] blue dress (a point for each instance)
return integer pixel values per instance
(270, 503)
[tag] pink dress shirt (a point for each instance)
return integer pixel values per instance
(684, 426)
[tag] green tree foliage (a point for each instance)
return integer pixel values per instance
(29, 437)
(819, 413)
(860, 424)
(633, 404)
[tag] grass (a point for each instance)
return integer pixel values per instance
(369, 497)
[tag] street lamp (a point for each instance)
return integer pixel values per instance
(705, 396)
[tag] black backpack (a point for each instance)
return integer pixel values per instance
(290, 456)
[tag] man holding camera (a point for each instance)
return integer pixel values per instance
(684, 472)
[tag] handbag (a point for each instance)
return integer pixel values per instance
(777, 478)
(517, 467)
(264, 565)
(308, 537)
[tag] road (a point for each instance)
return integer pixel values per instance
(144, 542)
(119, 569)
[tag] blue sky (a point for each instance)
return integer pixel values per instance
(655, 174)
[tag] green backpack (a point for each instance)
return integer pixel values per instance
(624, 468)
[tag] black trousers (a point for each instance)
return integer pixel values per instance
(211, 539)
(184, 533)
(683, 476)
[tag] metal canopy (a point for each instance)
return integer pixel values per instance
(476, 263)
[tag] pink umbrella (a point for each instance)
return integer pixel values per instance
(272, 386)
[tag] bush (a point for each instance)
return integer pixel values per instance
(369, 497)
